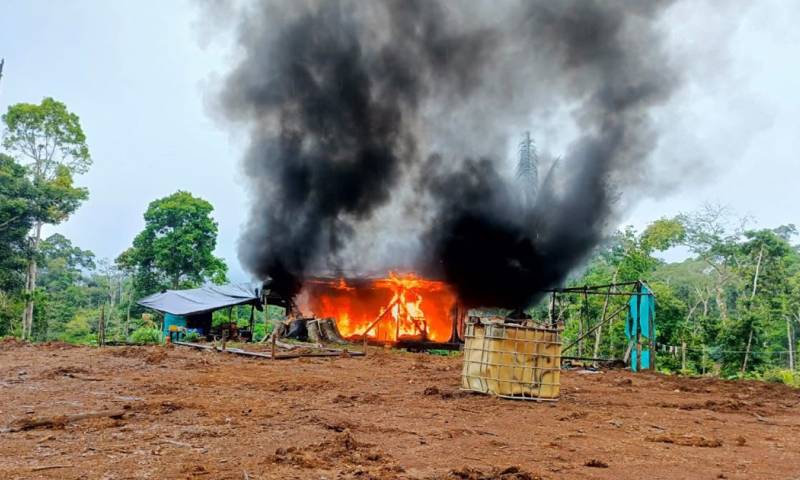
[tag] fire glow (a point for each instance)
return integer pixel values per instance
(390, 309)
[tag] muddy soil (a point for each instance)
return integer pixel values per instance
(193, 414)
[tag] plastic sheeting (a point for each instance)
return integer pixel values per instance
(641, 315)
(203, 299)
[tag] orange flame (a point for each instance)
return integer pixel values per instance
(398, 307)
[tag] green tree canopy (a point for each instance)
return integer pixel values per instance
(17, 196)
(176, 247)
(65, 285)
(49, 136)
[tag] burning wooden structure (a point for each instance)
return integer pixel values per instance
(403, 310)
(408, 311)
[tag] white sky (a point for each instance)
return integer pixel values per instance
(136, 74)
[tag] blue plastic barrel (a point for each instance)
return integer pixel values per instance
(169, 320)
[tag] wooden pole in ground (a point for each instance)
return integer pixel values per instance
(252, 324)
(274, 342)
(652, 329)
(638, 330)
(101, 327)
(683, 356)
(747, 351)
(790, 342)
(703, 361)
(267, 321)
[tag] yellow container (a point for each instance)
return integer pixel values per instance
(512, 361)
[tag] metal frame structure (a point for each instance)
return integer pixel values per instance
(608, 291)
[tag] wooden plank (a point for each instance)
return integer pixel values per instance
(239, 351)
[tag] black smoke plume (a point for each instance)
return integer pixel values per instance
(373, 118)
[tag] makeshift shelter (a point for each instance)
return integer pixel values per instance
(192, 308)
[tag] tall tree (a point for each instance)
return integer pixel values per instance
(16, 218)
(17, 196)
(176, 247)
(51, 142)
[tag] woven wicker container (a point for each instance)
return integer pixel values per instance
(512, 361)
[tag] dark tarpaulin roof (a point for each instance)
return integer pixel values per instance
(203, 299)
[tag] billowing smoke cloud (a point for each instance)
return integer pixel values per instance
(388, 123)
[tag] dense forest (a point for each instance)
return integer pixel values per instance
(731, 307)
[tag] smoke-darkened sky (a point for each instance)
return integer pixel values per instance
(140, 79)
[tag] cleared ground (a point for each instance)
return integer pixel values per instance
(191, 414)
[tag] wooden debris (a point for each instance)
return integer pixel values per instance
(50, 467)
(314, 333)
(328, 352)
(58, 420)
(328, 327)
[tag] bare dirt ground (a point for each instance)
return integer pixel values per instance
(188, 414)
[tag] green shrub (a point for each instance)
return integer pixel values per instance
(191, 336)
(260, 331)
(78, 329)
(778, 375)
(144, 336)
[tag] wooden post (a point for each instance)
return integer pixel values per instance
(375, 322)
(252, 323)
(790, 342)
(703, 360)
(747, 351)
(397, 324)
(274, 340)
(581, 319)
(101, 327)
(267, 322)
(652, 324)
(683, 356)
(638, 329)
(128, 316)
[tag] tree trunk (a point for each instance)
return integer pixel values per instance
(721, 305)
(683, 356)
(30, 284)
(790, 341)
(101, 327)
(128, 316)
(752, 296)
(758, 268)
(747, 351)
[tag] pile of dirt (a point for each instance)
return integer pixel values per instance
(56, 345)
(69, 371)
(508, 473)
(151, 355)
(10, 343)
(343, 453)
